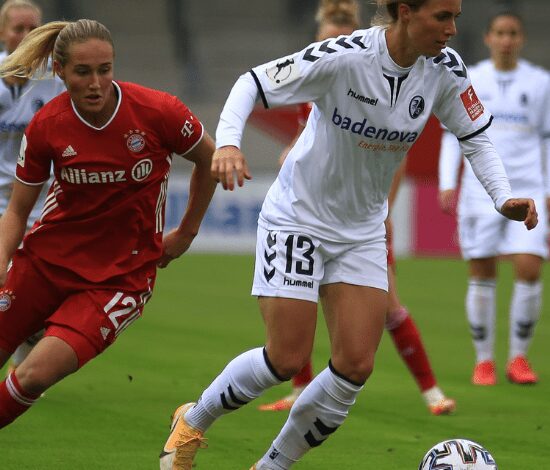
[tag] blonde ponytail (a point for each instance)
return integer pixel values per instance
(51, 40)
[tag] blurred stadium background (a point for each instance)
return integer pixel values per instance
(197, 49)
(115, 413)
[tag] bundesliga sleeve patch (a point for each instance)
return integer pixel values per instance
(471, 103)
(283, 72)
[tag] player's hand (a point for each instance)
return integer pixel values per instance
(523, 210)
(227, 162)
(447, 201)
(174, 244)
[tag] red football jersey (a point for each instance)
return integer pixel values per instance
(104, 214)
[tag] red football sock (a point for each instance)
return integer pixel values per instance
(14, 401)
(408, 342)
(305, 376)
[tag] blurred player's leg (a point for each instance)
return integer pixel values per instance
(408, 342)
(410, 347)
(481, 313)
(524, 314)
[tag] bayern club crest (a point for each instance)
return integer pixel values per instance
(6, 298)
(135, 140)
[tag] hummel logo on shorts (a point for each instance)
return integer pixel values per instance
(69, 152)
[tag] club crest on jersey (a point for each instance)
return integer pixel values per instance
(6, 298)
(283, 73)
(416, 106)
(135, 140)
(142, 169)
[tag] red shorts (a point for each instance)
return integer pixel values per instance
(87, 316)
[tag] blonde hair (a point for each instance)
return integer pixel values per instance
(9, 4)
(51, 40)
(387, 13)
(339, 13)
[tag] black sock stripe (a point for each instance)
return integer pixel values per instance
(272, 369)
(323, 428)
(234, 398)
(225, 404)
(310, 439)
(343, 377)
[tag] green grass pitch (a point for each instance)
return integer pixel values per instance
(114, 414)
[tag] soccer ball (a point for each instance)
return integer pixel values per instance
(458, 454)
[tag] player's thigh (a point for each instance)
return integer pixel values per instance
(355, 317)
(90, 321)
(290, 331)
(527, 267)
(288, 270)
(26, 300)
(480, 235)
(355, 300)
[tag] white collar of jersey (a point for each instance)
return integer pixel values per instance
(388, 65)
(119, 92)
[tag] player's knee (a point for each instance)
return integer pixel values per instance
(289, 363)
(33, 378)
(356, 368)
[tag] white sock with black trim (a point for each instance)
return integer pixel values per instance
(242, 380)
(318, 412)
(481, 314)
(525, 310)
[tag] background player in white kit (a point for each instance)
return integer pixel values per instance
(321, 229)
(20, 98)
(517, 93)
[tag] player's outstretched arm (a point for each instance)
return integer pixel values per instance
(201, 189)
(227, 163)
(523, 210)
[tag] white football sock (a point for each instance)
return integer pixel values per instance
(242, 380)
(481, 314)
(320, 409)
(525, 309)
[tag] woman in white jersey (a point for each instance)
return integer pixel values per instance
(517, 93)
(321, 229)
(336, 18)
(20, 99)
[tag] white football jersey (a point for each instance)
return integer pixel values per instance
(367, 113)
(519, 101)
(18, 104)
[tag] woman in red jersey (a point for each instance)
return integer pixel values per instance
(87, 268)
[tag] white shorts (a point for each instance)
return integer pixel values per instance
(489, 235)
(294, 265)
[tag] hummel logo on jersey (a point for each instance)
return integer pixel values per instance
(69, 152)
(363, 128)
(363, 99)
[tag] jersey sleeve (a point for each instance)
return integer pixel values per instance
(304, 76)
(35, 158)
(457, 105)
(183, 129)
